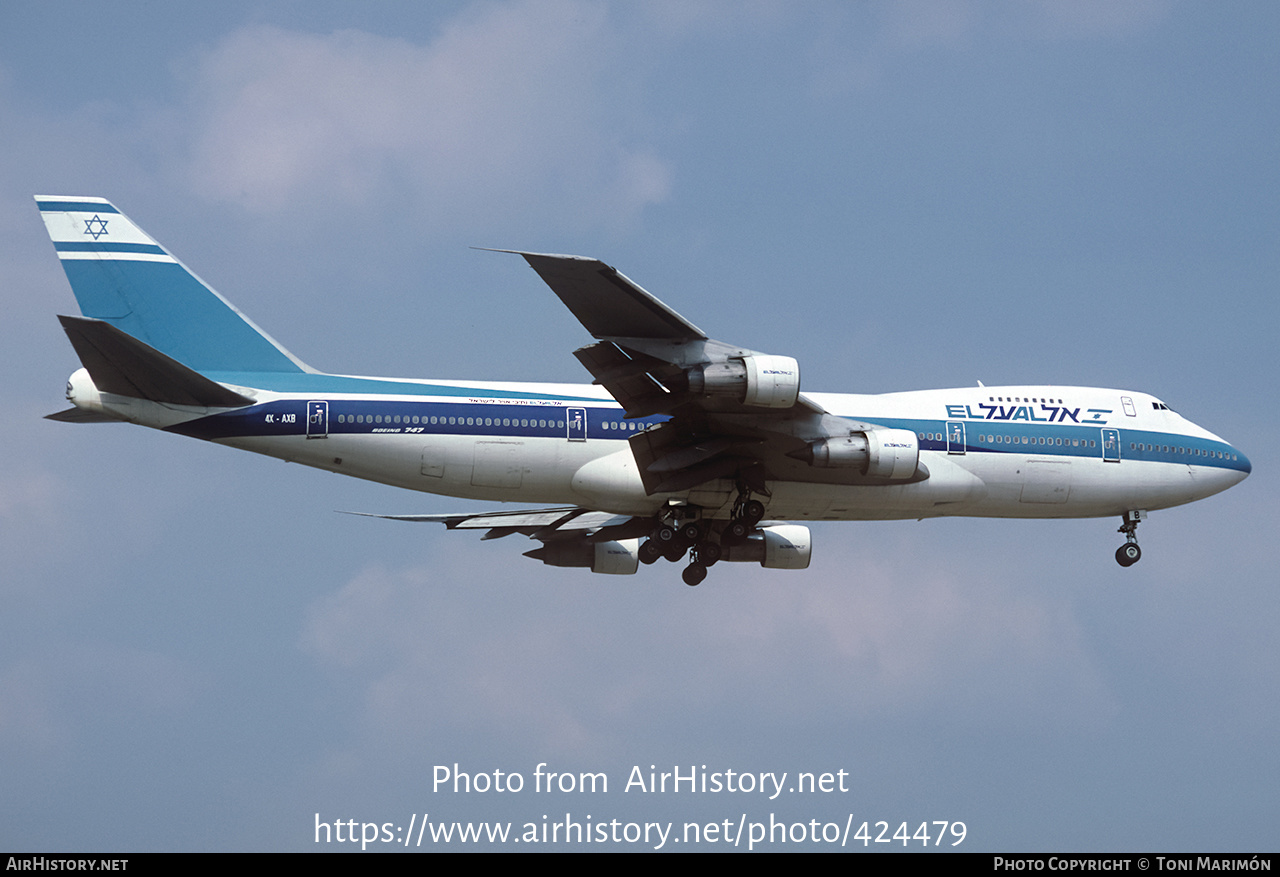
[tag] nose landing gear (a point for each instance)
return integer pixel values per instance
(1129, 553)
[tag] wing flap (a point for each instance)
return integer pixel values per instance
(570, 535)
(628, 378)
(567, 518)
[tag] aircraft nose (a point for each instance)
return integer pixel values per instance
(1232, 468)
(1245, 466)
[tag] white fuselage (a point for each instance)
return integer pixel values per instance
(1023, 452)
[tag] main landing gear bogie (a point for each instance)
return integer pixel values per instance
(686, 534)
(746, 514)
(650, 552)
(1129, 553)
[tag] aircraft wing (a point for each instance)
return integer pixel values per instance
(570, 535)
(606, 301)
(733, 412)
(539, 523)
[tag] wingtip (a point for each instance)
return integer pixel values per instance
(528, 254)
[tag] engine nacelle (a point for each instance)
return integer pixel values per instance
(846, 452)
(772, 381)
(893, 454)
(760, 380)
(619, 558)
(777, 546)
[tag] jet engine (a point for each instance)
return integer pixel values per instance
(776, 546)
(878, 453)
(620, 558)
(760, 380)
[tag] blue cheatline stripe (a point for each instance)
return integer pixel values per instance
(357, 416)
(979, 441)
(323, 385)
(423, 419)
(75, 207)
(1194, 451)
(104, 247)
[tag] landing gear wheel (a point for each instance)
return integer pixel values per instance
(1128, 554)
(736, 532)
(693, 574)
(691, 532)
(752, 511)
(708, 553)
(675, 551)
(649, 552)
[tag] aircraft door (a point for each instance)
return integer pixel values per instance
(317, 420)
(955, 437)
(576, 424)
(1111, 445)
(498, 464)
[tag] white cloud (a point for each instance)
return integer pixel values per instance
(1082, 18)
(920, 24)
(506, 105)
(904, 633)
(892, 34)
(429, 654)
(565, 662)
(45, 694)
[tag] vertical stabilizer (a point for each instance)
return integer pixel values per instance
(120, 275)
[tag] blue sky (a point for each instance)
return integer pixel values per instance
(198, 653)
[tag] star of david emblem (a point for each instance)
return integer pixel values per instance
(97, 232)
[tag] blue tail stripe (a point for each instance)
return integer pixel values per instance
(325, 385)
(164, 305)
(77, 206)
(104, 247)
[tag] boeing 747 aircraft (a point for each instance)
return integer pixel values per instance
(683, 447)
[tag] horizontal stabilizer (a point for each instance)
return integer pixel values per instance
(121, 364)
(79, 415)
